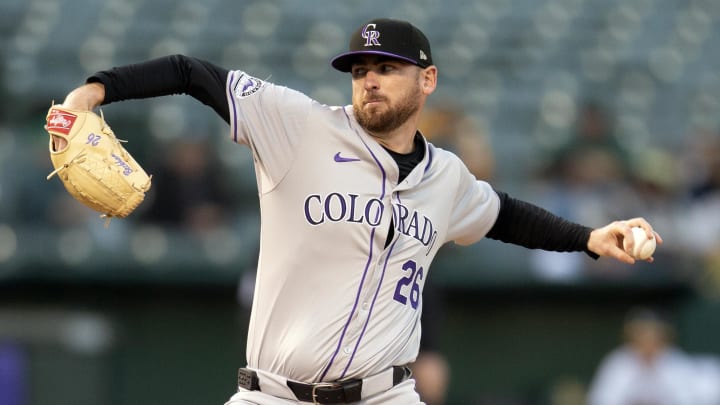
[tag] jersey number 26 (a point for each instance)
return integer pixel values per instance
(413, 292)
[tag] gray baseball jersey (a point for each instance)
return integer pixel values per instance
(331, 300)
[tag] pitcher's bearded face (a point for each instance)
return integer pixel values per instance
(386, 92)
(378, 113)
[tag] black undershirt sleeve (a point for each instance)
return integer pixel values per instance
(518, 222)
(528, 225)
(176, 74)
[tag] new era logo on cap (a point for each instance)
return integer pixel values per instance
(395, 38)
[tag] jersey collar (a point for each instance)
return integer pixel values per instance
(416, 175)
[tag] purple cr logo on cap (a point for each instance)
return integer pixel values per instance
(371, 36)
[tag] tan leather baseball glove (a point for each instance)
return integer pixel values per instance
(93, 165)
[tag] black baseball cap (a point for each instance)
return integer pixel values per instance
(385, 36)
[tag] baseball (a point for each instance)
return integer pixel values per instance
(644, 246)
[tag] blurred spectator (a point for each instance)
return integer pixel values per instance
(702, 163)
(592, 154)
(586, 180)
(431, 369)
(649, 369)
(446, 126)
(188, 189)
(699, 234)
(656, 188)
(701, 230)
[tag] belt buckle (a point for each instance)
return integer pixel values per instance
(321, 385)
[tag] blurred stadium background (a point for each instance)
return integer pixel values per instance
(148, 311)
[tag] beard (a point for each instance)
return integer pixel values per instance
(393, 117)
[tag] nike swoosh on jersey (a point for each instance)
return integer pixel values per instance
(341, 159)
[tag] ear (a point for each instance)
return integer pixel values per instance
(428, 79)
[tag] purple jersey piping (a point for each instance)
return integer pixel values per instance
(365, 271)
(234, 107)
(430, 159)
(367, 321)
(357, 299)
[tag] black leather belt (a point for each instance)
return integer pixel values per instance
(321, 393)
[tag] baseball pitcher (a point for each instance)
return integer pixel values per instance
(354, 203)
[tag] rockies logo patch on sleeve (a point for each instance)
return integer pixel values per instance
(246, 85)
